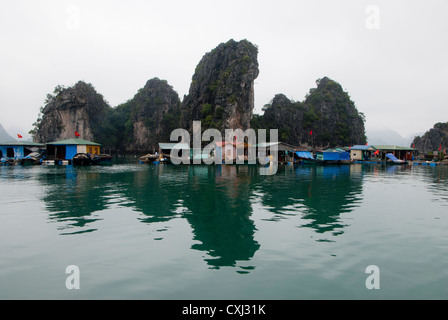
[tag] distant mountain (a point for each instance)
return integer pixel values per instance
(4, 136)
(388, 136)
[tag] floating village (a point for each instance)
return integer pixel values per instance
(79, 152)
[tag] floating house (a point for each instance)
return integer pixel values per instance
(66, 150)
(305, 157)
(18, 150)
(403, 153)
(285, 152)
(333, 156)
(232, 151)
(329, 156)
(165, 149)
(226, 150)
(344, 155)
(362, 152)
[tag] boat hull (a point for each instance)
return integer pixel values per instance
(82, 159)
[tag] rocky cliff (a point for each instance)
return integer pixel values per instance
(221, 94)
(79, 108)
(327, 118)
(137, 125)
(433, 139)
(151, 115)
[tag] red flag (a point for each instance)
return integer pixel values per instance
(76, 134)
(440, 147)
(20, 136)
(311, 132)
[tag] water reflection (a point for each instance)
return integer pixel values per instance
(155, 192)
(319, 194)
(72, 196)
(437, 182)
(217, 201)
(219, 213)
(330, 192)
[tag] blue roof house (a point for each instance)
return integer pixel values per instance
(18, 150)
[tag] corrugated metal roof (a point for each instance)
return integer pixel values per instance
(280, 145)
(363, 147)
(74, 142)
(392, 147)
(267, 144)
(22, 143)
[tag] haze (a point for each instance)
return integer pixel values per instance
(390, 56)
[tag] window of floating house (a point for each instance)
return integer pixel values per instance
(92, 150)
(10, 152)
(60, 152)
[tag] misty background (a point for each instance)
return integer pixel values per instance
(390, 56)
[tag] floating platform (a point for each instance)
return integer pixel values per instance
(56, 162)
(429, 163)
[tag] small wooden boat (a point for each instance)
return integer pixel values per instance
(101, 159)
(82, 159)
(149, 158)
(32, 158)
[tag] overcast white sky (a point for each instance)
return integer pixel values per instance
(390, 56)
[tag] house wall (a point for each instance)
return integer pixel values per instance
(356, 154)
(93, 149)
(82, 149)
(17, 150)
(3, 151)
(70, 152)
(88, 149)
(229, 152)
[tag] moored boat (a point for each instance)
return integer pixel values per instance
(394, 160)
(82, 159)
(102, 159)
(32, 158)
(149, 158)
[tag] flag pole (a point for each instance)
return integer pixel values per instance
(312, 139)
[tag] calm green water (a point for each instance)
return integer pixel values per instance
(223, 232)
